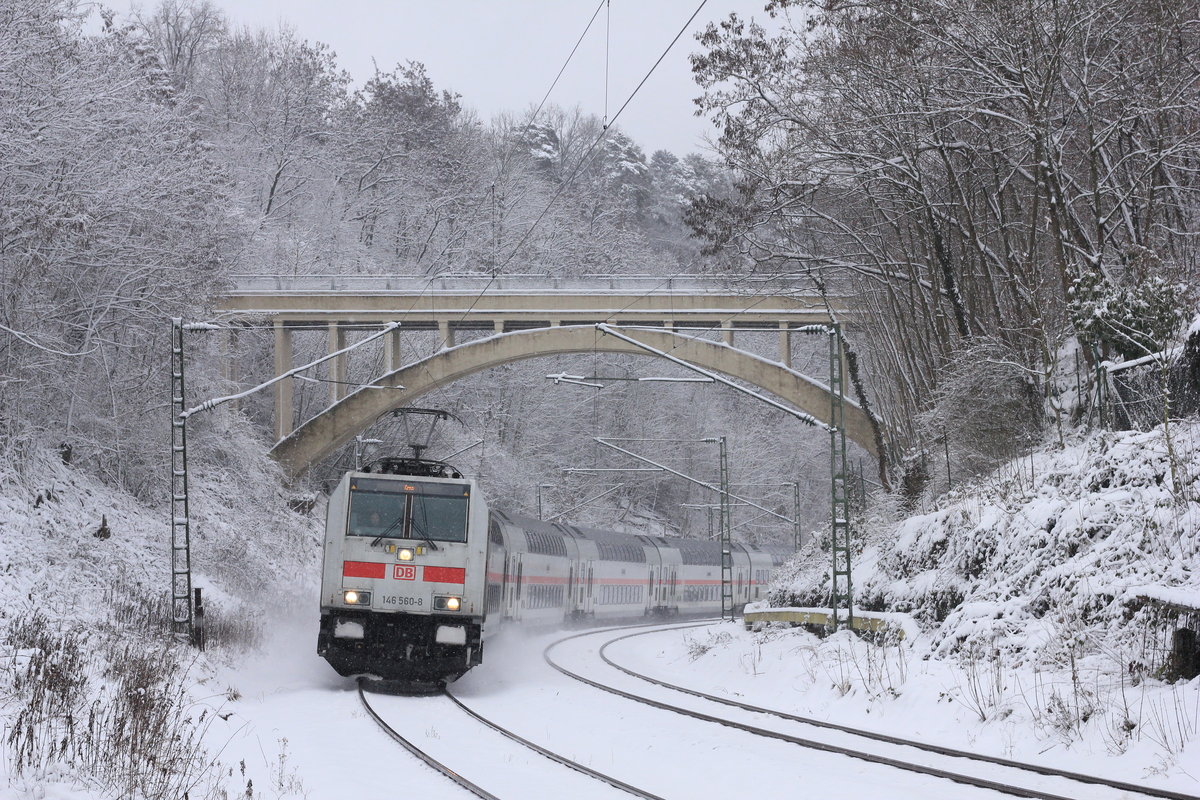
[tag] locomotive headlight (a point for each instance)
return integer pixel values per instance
(354, 597)
(405, 554)
(446, 603)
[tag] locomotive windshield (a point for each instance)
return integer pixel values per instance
(399, 509)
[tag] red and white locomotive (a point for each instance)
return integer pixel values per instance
(418, 573)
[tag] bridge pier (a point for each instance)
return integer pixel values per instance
(445, 333)
(229, 371)
(284, 419)
(392, 357)
(337, 364)
(785, 344)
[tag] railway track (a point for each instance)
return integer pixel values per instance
(1085, 784)
(471, 786)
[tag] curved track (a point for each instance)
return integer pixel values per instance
(883, 737)
(1084, 781)
(474, 788)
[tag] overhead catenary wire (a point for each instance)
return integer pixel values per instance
(359, 384)
(492, 193)
(607, 442)
(584, 161)
(808, 419)
(561, 70)
(607, 39)
(585, 502)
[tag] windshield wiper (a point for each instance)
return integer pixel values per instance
(417, 529)
(397, 522)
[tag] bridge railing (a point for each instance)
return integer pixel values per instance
(477, 282)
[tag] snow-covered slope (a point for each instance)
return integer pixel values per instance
(1078, 535)
(84, 607)
(1048, 593)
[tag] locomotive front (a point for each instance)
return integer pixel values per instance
(402, 585)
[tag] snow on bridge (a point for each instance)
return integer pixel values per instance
(558, 315)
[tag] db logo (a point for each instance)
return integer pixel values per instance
(404, 572)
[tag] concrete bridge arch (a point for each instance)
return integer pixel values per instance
(318, 437)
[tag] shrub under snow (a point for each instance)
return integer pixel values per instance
(1076, 537)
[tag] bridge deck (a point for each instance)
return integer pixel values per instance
(513, 303)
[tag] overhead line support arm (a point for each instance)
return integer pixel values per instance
(808, 419)
(216, 401)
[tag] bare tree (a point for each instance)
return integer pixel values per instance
(183, 32)
(111, 222)
(961, 170)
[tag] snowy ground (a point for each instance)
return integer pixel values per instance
(300, 731)
(891, 689)
(1034, 664)
(289, 694)
(297, 730)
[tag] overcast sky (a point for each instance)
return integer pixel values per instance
(502, 55)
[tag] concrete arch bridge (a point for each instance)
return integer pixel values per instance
(524, 320)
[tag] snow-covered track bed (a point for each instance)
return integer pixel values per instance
(575, 765)
(475, 753)
(969, 769)
(1039, 769)
(425, 757)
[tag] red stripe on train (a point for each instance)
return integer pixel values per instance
(497, 577)
(444, 575)
(363, 569)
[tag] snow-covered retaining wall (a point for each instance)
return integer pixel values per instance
(759, 612)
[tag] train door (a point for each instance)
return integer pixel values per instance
(514, 577)
(651, 589)
(578, 588)
(587, 579)
(505, 597)
(569, 599)
(654, 583)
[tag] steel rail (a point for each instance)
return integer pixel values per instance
(566, 762)
(896, 740)
(812, 744)
(429, 760)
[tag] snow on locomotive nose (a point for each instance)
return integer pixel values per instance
(402, 583)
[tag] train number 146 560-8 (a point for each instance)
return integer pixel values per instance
(393, 600)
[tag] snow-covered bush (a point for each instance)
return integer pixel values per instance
(1133, 319)
(92, 686)
(986, 408)
(1062, 543)
(115, 711)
